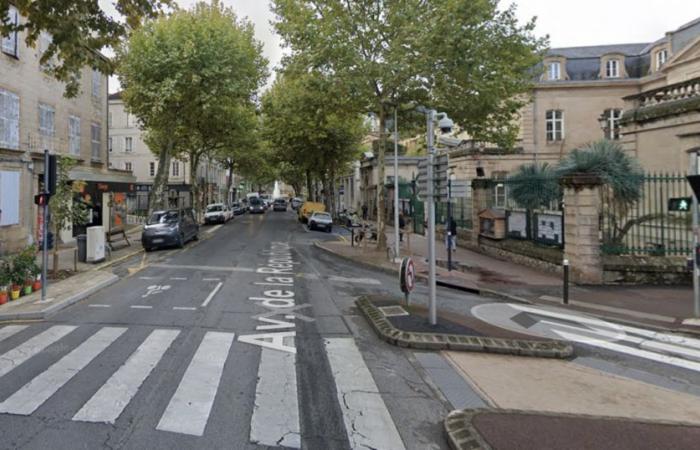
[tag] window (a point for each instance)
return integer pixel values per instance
(555, 125)
(128, 144)
(109, 119)
(612, 68)
(176, 169)
(661, 57)
(612, 123)
(47, 117)
(499, 196)
(127, 166)
(74, 135)
(127, 120)
(109, 144)
(96, 83)
(9, 197)
(554, 71)
(96, 139)
(9, 43)
(45, 40)
(9, 120)
(152, 169)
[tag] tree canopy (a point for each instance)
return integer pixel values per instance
(80, 30)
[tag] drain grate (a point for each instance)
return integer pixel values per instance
(393, 311)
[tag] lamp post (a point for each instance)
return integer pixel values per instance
(396, 186)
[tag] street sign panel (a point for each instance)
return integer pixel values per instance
(681, 204)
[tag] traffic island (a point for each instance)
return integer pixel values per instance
(491, 429)
(406, 332)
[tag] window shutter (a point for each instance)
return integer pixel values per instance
(9, 197)
(9, 43)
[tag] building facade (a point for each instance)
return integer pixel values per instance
(129, 152)
(35, 116)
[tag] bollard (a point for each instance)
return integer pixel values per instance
(566, 282)
(352, 236)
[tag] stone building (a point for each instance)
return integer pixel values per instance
(129, 152)
(34, 115)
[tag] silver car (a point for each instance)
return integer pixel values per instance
(321, 220)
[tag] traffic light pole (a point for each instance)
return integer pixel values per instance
(432, 309)
(45, 228)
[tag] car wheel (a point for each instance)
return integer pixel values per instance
(195, 237)
(148, 249)
(329, 229)
(180, 241)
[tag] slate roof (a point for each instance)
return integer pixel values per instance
(583, 63)
(596, 51)
(115, 96)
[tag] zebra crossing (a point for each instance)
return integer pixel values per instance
(274, 418)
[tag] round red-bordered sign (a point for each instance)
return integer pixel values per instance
(407, 275)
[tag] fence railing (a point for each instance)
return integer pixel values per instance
(647, 227)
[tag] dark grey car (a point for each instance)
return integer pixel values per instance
(170, 227)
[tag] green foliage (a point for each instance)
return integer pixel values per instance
(5, 274)
(534, 185)
(606, 160)
(23, 266)
(64, 210)
(80, 29)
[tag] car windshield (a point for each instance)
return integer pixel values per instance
(236, 205)
(280, 201)
(255, 201)
(163, 217)
(322, 216)
(214, 208)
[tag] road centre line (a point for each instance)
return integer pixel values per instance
(211, 279)
(184, 308)
(98, 305)
(212, 294)
(178, 278)
(209, 268)
(141, 307)
(148, 278)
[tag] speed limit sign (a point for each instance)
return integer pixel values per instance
(407, 276)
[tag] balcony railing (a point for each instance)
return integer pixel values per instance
(670, 93)
(674, 99)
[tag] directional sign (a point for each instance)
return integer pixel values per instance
(561, 323)
(440, 170)
(681, 204)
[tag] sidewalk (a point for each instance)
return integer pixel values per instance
(666, 307)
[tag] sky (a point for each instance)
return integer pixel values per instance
(568, 23)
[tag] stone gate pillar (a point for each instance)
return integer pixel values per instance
(582, 207)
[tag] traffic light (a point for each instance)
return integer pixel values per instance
(50, 176)
(41, 199)
(697, 255)
(681, 204)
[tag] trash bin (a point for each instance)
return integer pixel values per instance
(82, 247)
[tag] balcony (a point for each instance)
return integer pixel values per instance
(672, 100)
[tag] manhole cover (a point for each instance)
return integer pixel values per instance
(393, 311)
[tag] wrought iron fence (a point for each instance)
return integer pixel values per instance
(646, 226)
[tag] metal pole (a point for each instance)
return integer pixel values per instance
(396, 185)
(449, 225)
(696, 283)
(566, 282)
(44, 231)
(431, 223)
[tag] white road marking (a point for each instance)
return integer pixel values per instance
(148, 278)
(33, 394)
(178, 278)
(612, 309)
(109, 402)
(23, 352)
(213, 229)
(209, 268)
(141, 307)
(367, 420)
(355, 280)
(184, 308)
(6, 332)
(98, 305)
(189, 408)
(211, 279)
(275, 420)
(212, 294)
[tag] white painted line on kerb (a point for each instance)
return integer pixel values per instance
(23, 352)
(189, 408)
(141, 307)
(275, 420)
(43, 386)
(184, 308)
(355, 280)
(109, 402)
(10, 330)
(212, 294)
(97, 305)
(367, 420)
(213, 229)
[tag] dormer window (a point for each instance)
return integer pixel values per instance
(661, 58)
(612, 68)
(554, 71)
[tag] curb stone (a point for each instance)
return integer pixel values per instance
(440, 341)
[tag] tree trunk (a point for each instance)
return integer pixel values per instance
(381, 200)
(331, 189)
(229, 181)
(309, 184)
(194, 185)
(158, 198)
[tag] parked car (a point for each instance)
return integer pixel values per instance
(237, 209)
(321, 220)
(256, 206)
(217, 213)
(280, 204)
(170, 227)
(296, 203)
(308, 208)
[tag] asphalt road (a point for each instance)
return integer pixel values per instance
(245, 339)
